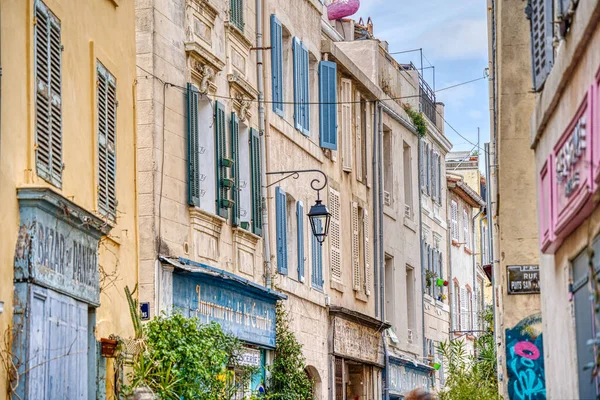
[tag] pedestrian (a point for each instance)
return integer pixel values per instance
(419, 394)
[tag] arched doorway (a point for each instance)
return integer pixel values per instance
(313, 374)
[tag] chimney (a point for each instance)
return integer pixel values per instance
(439, 107)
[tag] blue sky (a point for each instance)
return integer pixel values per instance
(453, 35)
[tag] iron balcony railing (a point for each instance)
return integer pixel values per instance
(427, 100)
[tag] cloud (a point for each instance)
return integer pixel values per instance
(458, 39)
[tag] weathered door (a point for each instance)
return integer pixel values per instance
(58, 350)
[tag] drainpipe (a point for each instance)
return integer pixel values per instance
(263, 145)
(474, 252)
(380, 216)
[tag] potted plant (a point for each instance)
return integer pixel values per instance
(108, 347)
(227, 203)
(227, 183)
(429, 277)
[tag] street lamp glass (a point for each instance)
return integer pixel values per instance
(319, 221)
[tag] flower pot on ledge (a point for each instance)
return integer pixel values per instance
(227, 162)
(227, 203)
(108, 347)
(227, 183)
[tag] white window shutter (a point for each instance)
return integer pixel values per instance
(359, 138)
(368, 137)
(346, 124)
(355, 246)
(455, 308)
(367, 250)
(464, 310)
(335, 236)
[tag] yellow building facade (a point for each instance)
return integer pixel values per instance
(68, 237)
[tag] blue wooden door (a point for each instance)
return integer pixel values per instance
(58, 348)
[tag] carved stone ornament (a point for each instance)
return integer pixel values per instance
(206, 75)
(244, 105)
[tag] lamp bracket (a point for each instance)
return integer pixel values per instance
(315, 184)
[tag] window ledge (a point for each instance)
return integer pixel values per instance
(338, 286)
(468, 251)
(410, 224)
(358, 295)
(428, 298)
(390, 212)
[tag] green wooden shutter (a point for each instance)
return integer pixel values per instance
(300, 232)
(107, 142)
(193, 146)
(221, 160)
(237, 13)
(317, 261)
(256, 175)
(48, 99)
(235, 169)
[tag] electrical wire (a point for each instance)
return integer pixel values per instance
(460, 84)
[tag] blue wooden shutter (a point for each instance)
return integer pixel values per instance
(107, 142)
(296, 50)
(193, 146)
(221, 157)
(256, 175)
(327, 104)
(300, 226)
(305, 91)
(235, 169)
(277, 64)
(317, 261)
(48, 99)
(281, 228)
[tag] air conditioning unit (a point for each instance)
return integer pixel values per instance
(387, 198)
(407, 211)
(410, 336)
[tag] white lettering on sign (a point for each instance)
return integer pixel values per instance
(569, 155)
(249, 358)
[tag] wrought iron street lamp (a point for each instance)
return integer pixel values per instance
(318, 215)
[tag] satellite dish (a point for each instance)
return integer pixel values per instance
(342, 8)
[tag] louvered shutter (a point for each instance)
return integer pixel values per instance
(317, 261)
(424, 259)
(422, 164)
(237, 13)
(193, 146)
(327, 104)
(277, 64)
(107, 143)
(281, 228)
(300, 227)
(434, 177)
(221, 151)
(297, 50)
(48, 100)
(367, 250)
(368, 145)
(305, 91)
(454, 218)
(440, 179)
(335, 240)
(355, 246)
(256, 176)
(542, 51)
(235, 169)
(346, 124)
(464, 310)
(434, 267)
(466, 228)
(358, 149)
(455, 308)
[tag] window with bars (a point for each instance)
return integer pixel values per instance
(454, 219)
(237, 13)
(107, 142)
(48, 95)
(335, 241)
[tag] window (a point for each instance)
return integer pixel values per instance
(361, 123)
(366, 250)
(277, 64)
(390, 294)
(454, 219)
(107, 142)
(388, 167)
(484, 238)
(541, 18)
(356, 270)
(434, 181)
(237, 13)
(234, 131)
(281, 230)
(361, 252)
(465, 309)
(346, 123)
(335, 242)
(408, 194)
(456, 307)
(410, 298)
(300, 239)
(301, 87)
(48, 95)
(317, 261)
(469, 311)
(256, 176)
(328, 104)
(466, 228)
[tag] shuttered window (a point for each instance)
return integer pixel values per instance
(193, 146)
(107, 143)
(346, 124)
(237, 13)
(300, 241)
(234, 127)
(367, 252)
(48, 95)
(355, 246)
(335, 240)
(256, 176)
(281, 228)
(454, 219)
(277, 64)
(317, 261)
(360, 129)
(439, 177)
(455, 307)
(542, 52)
(465, 313)
(327, 104)
(466, 229)
(422, 165)
(223, 162)
(434, 181)
(301, 84)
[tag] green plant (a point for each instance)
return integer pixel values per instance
(288, 380)
(429, 277)
(417, 120)
(471, 377)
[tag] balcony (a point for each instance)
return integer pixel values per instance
(427, 100)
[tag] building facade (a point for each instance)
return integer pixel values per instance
(67, 170)
(563, 134)
(512, 191)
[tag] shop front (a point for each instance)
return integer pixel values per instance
(358, 355)
(56, 294)
(242, 308)
(405, 376)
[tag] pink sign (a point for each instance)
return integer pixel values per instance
(342, 8)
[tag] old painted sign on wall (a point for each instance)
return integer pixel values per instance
(245, 314)
(357, 341)
(405, 377)
(57, 246)
(523, 279)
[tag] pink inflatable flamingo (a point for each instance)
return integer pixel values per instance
(342, 8)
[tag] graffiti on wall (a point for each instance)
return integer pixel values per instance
(525, 360)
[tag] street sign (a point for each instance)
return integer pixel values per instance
(523, 279)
